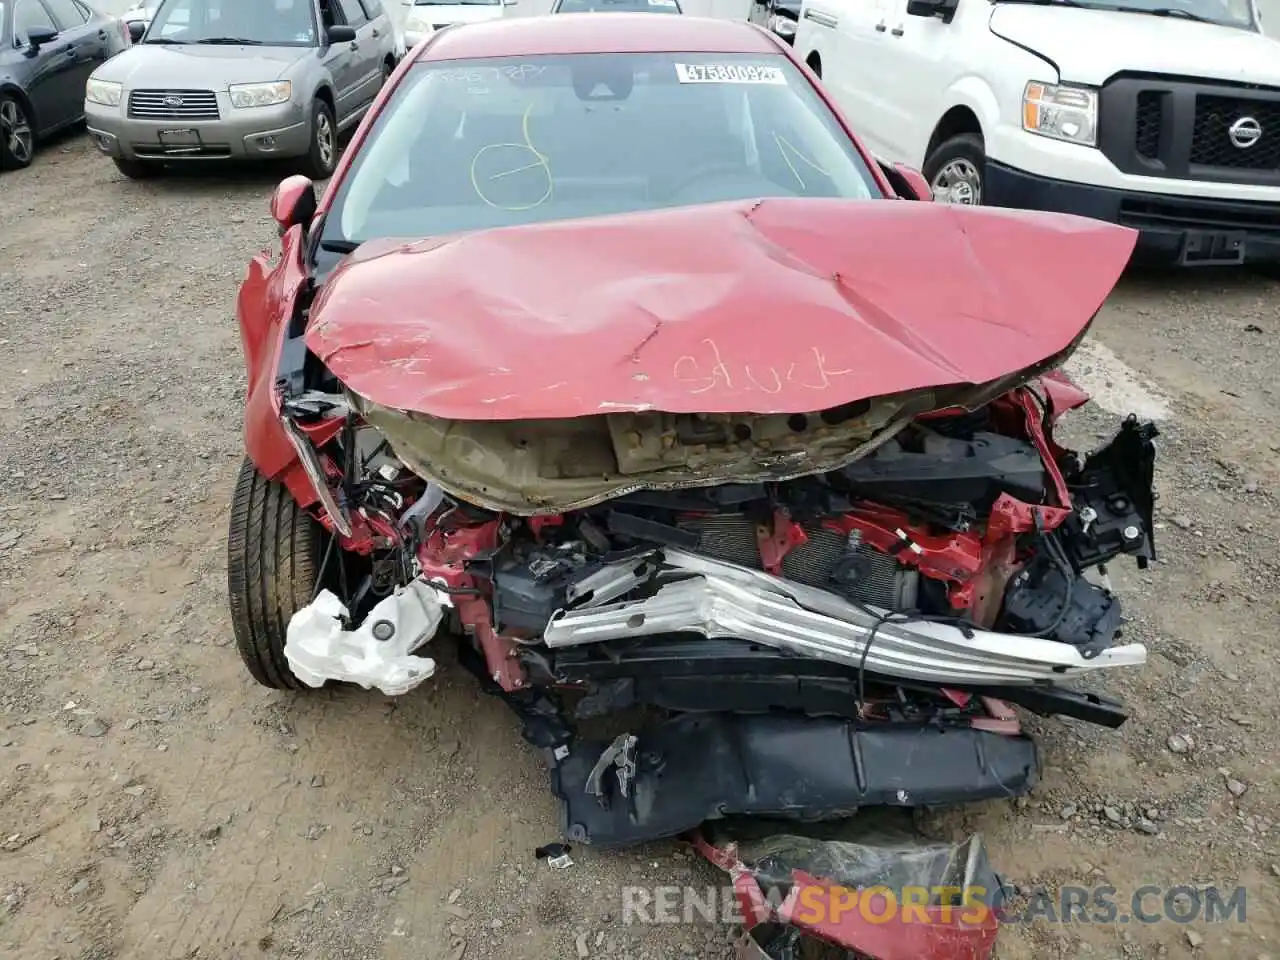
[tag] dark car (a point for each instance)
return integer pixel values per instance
(48, 48)
(780, 16)
(616, 6)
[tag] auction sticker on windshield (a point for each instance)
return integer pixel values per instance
(728, 73)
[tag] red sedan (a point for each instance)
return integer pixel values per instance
(612, 354)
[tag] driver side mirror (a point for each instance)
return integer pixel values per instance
(907, 182)
(293, 202)
(943, 9)
(340, 33)
(39, 36)
(136, 29)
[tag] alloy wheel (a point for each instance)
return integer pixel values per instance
(324, 139)
(15, 131)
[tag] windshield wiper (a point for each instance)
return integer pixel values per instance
(1176, 12)
(339, 246)
(1051, 3)
(166, 40)
(236, 41)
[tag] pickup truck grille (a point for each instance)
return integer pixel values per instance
(1181, 128)
(173, 105)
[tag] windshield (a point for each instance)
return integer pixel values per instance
(466, 145)
(1228, 13)
(630, 6)
(277, 23)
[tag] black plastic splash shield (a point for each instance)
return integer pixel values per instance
(703, 767)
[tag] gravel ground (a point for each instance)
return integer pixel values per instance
(154, 802)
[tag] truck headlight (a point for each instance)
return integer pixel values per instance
(259, 94)
(103, 92)
(1061, 112)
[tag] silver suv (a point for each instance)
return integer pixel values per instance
(241, 79)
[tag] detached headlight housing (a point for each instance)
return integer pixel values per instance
(260, 94)
(1061, 112)
(103, 92)
(782, 26)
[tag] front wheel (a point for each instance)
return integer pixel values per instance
(273, 562)
(956, 170)
(322, 156)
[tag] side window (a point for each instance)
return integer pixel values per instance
(67, 13)
(373, 8)
(27, 15)
(352, 11)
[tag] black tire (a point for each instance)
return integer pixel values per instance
(322, 155)
(962, 153)
(17, 134)
(138, 169)
(273, 559)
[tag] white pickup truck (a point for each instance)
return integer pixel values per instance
(1163, 115)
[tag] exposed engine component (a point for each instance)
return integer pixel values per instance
(931, 468)
(827, 558)
(1114, 502)
(1043, 600)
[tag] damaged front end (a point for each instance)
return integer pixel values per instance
(818, 592)
(801, 648)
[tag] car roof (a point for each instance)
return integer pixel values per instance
(596, 33)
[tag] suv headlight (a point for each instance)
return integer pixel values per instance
(782, 26)
(259, 94)
(103, 92)
(1061, 112)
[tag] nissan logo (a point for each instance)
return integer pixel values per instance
(1245, 132)
(177, 102)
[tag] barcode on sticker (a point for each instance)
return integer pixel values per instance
(728, 73)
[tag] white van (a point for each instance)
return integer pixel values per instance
(1162, 115)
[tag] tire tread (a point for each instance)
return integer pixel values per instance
(272, 557)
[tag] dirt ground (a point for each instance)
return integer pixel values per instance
(155, 803)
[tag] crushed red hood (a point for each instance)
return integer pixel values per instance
(772, 306)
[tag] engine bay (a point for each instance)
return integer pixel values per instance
(905, 530)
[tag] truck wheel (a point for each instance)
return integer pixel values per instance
(956, 170)
(138, 169)
(17, 134)
(273, 560)
(322, 157)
